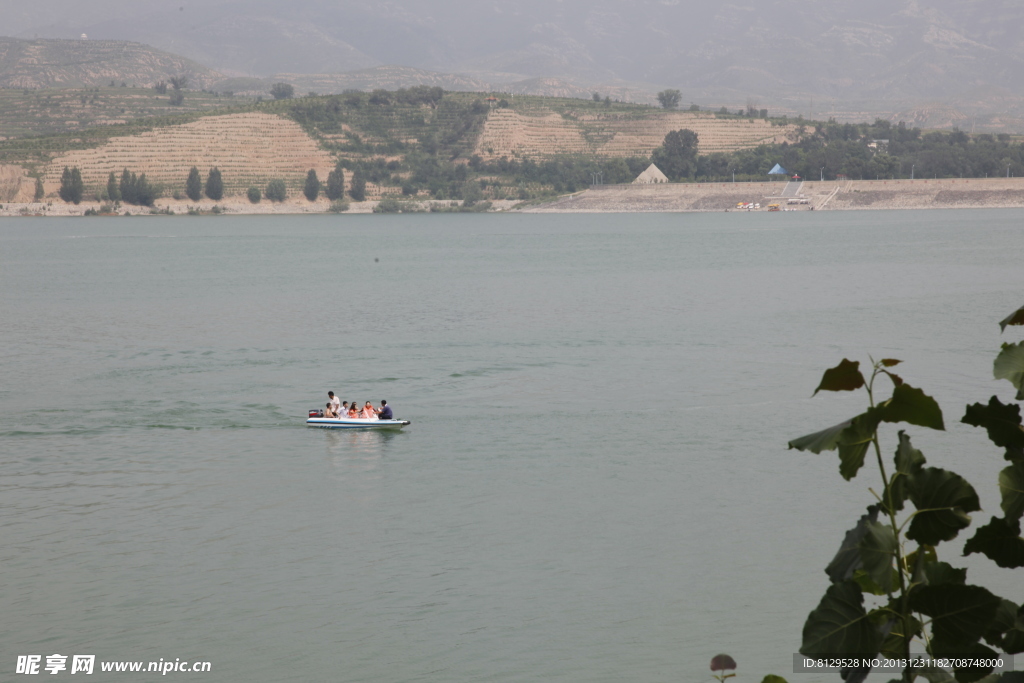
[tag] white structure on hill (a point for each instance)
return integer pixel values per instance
(653, 174)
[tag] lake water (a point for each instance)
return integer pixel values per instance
(595, 485)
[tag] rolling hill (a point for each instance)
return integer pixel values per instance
(91, 63)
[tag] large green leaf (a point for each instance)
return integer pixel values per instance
(1011, 486)
(999, 541)
(1013, 640)
(878, 553)
(1009, 365)
(909, 461)
(933, 674)
(1003, 424)
(940, 573)
(825, 440)
(961, 615)
(853, 444)
(970, 674)
(848, 559)
(852, 439)
(1003, 621)
(913, 406)
(839, 626)
(893, 643)
(942, 499)
(1015, 318)
(843, 377)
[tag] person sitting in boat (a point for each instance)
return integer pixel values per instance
(329, 411)
(344, 409)
(385, 412)
(335, 403)
(368, 412)
(353, 410)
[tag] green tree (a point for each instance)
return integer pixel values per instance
(677, 156)
(358, 189)
(127, 186)
(71, 186)
(161, 88)
(886, 592)
(214, 185)
(179, 82)
(113, 190)
(253, 193)
(282, 91)
(276, 190)
(145, 194)
(40, 191)
(312, 187)
(194, 185)
(177, 98)
(669, 99)
(336, 183)
(596, 97)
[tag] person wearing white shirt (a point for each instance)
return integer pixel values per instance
(335, 403)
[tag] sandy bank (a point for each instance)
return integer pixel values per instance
(229, 205)
(827, 196)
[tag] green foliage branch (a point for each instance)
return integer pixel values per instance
(890, 557)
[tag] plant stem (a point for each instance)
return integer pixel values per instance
(904, 616)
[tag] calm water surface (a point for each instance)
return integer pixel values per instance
(594, 487)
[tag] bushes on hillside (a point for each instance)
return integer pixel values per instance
(253, 193)
(276, 190)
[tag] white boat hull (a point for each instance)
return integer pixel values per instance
(354, 423)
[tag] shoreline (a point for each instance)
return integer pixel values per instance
(829, 195)
(847, 195)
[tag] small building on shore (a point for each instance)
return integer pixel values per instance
(650, 176)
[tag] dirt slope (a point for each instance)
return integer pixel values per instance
(248, 148)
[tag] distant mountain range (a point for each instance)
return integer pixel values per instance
(809, 57)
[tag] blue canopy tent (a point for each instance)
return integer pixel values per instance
(778, 170)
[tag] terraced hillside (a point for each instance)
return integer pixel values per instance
(61, 110)
(91, 63)
(249, 148)
(416, 142)
(509, 133)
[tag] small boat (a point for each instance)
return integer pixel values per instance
(354, 423)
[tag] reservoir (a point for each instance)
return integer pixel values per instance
(595, 485)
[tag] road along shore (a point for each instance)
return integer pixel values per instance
(954, 193)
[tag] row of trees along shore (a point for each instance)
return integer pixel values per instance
(137, 190)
